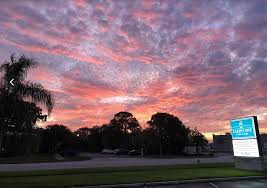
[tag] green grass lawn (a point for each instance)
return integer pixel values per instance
(98, 176)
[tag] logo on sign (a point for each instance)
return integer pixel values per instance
(243, 128)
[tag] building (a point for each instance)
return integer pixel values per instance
(223, 143)
(264, 142)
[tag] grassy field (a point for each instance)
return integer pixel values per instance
(100, 176)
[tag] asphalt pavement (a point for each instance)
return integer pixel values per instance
(257, 183)
(113, 162)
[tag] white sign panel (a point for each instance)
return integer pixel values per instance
(246, 148)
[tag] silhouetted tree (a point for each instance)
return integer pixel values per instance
(112, 136)
(83, 133)
(150, 141)
(197, 139)
(171, 132)
(95, 139)
(128, 124)
(20, 128)
(27, 125)
(89, 139)
(17, 70)
(56, 138)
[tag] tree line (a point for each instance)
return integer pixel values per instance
(165, 134)
(20, 110)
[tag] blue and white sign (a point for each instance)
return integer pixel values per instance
(243, 128)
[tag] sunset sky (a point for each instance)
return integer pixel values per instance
(203, 61)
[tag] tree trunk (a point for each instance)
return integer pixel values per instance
(1, 139)
(197, 148)
(160, 141)
(27, 144)
(160, 147)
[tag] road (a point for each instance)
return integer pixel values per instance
(112, 162)
(258, 183)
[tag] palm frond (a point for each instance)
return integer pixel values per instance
(37, 94)
(12, 58)
(4, 67)
(19, 67)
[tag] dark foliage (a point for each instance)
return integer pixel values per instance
(171, 132)
(197, 139)
(56, 138)
(19, 112)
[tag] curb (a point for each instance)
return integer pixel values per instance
(175, 182)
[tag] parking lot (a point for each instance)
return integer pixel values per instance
(113, 161)
(258, 183)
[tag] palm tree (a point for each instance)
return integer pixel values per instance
(22, 90)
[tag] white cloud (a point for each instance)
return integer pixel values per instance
(122, 100)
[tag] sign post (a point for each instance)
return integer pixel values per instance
(247, 144)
